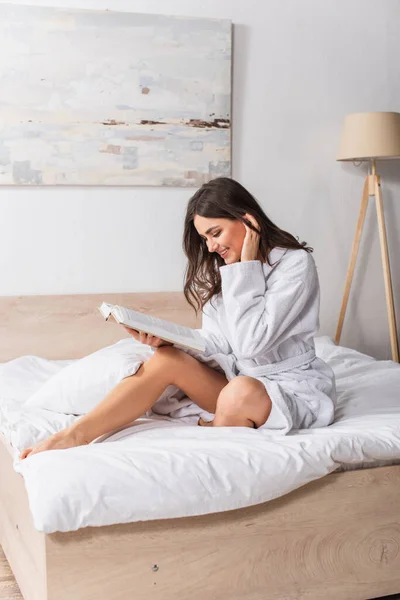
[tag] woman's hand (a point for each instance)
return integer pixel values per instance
(251, 243)
(146, 338)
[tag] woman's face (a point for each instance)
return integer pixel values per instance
(224, 236)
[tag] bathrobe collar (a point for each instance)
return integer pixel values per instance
(274, 256)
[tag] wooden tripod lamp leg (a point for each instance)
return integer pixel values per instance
(386, 270)
(353, 258)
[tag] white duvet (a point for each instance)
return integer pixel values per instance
(159, 468)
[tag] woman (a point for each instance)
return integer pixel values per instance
(259, 291)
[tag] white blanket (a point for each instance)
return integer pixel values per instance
(160, 468)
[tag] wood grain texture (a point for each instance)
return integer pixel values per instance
(337, 538)
(61, 327)
(22, 544)
(9, 589)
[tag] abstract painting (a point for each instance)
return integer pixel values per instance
(111, 98)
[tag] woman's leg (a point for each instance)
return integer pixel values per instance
(133, 396)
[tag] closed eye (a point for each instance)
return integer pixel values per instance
(213, 235)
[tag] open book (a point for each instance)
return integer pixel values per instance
(166, 330)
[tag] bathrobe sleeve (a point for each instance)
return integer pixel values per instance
(211, 332)
(261, 316)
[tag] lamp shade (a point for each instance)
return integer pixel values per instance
(370, 135)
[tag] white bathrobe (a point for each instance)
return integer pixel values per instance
(262, 325)
(265, 320)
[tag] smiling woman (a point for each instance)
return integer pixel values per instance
(261, 311)
(224, 219)
(258, 290)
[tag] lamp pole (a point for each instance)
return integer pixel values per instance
(372, 187)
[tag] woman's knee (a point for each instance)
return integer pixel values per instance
(234, 395)
(244, 397)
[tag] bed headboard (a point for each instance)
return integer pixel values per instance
(59, 327)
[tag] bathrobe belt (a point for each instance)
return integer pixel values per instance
(283, 365)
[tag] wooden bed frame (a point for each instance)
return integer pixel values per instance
(336, 538)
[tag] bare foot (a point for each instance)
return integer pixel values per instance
(203, 423)
(61, 440)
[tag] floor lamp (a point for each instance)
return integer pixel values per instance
(371, 136)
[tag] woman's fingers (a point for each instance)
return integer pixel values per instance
(146, 338)
(251, 240)
(132, 332)
(252, 220)
(139, 336)
(156, 342)
(149, 340)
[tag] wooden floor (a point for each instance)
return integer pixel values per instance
(9, 589)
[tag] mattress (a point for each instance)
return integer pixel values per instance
(160, 468)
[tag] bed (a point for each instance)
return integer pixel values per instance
(336, 537)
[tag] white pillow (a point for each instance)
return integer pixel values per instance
(23, 376)
(82, 385)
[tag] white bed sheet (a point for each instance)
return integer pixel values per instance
(159, 468)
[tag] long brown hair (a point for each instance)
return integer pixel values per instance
(223, 198)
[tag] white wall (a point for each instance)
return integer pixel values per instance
(299, 67)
